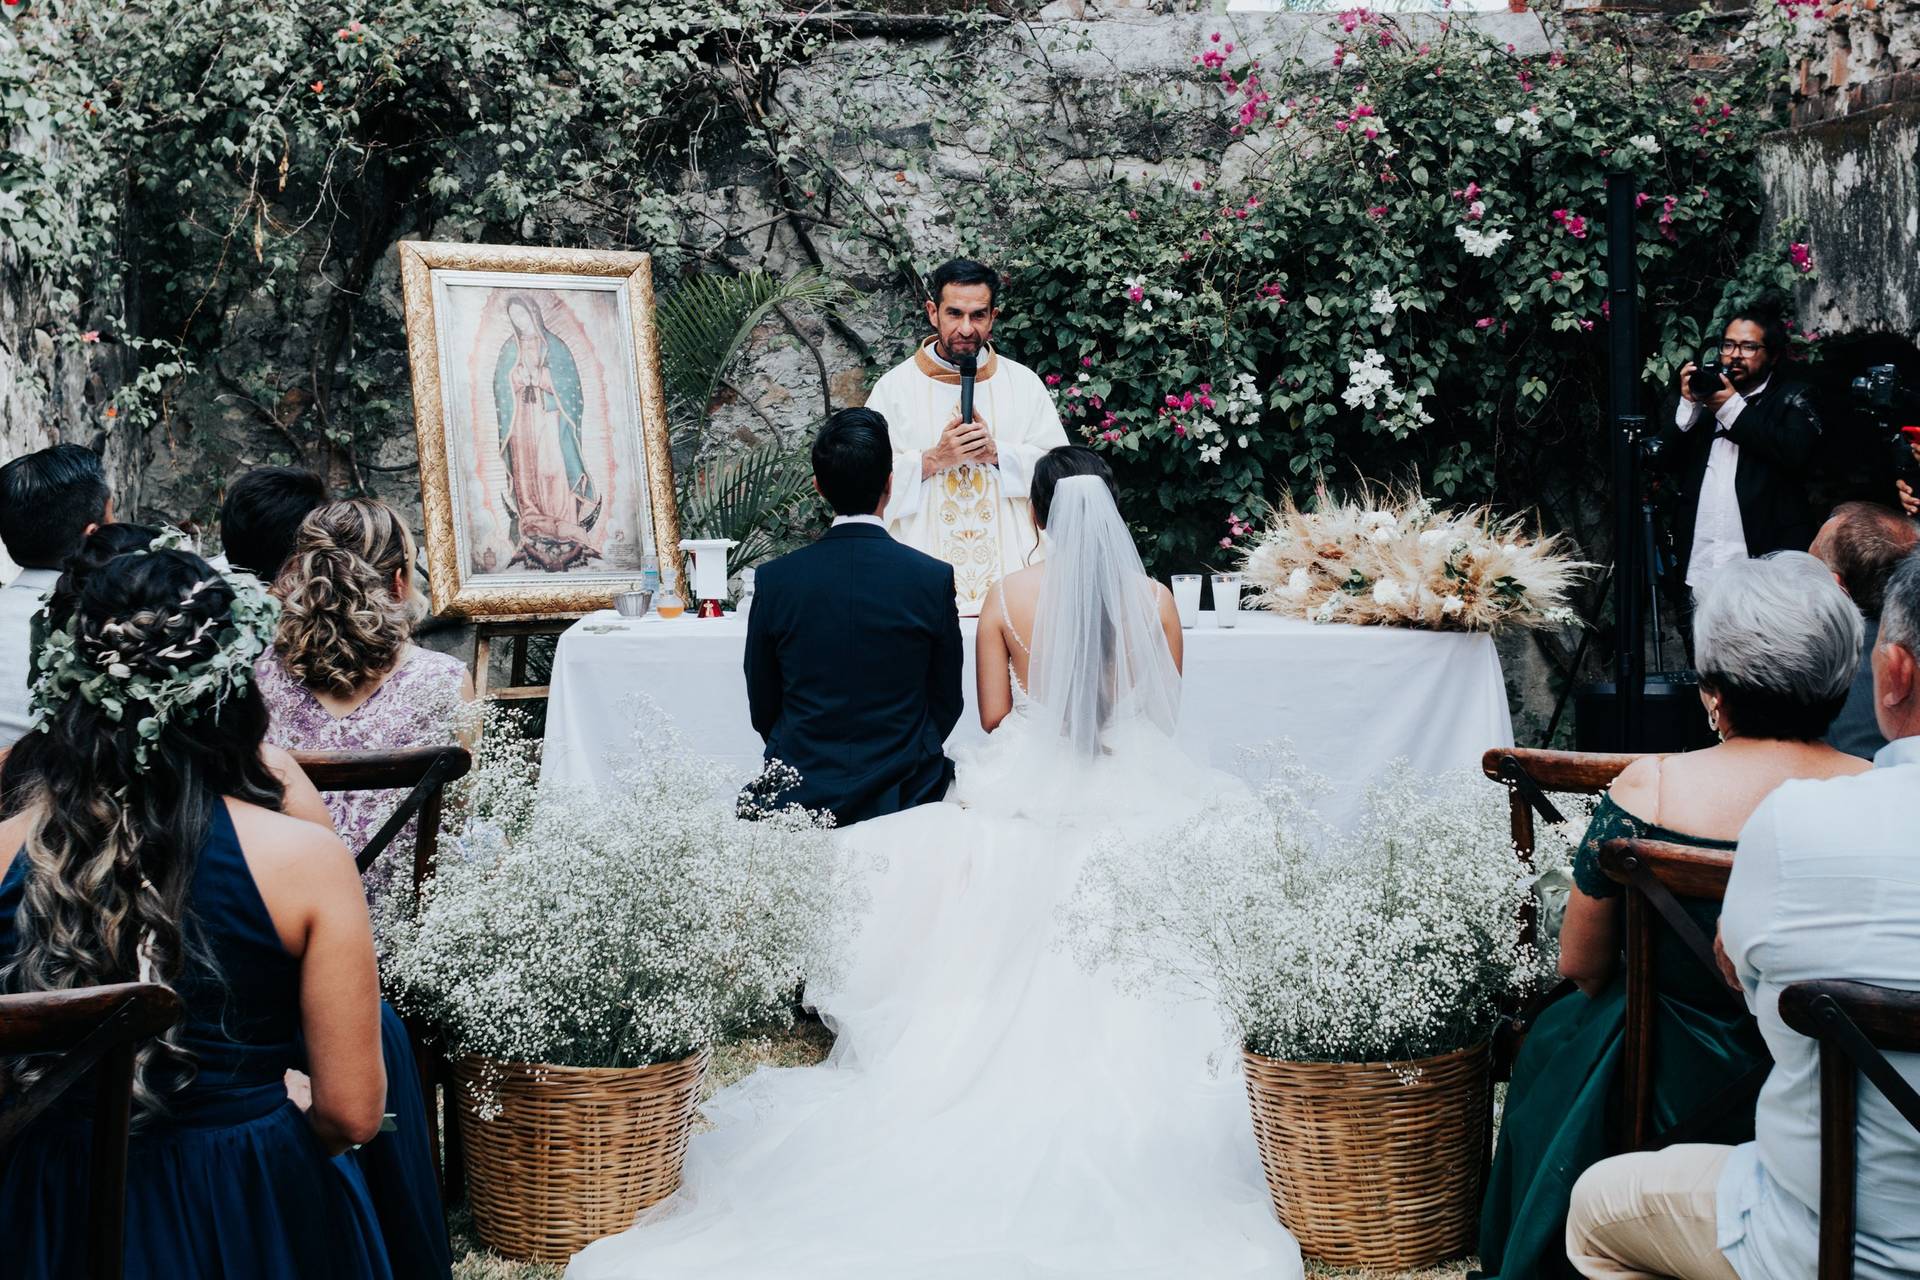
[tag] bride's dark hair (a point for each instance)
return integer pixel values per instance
(1056, 465)
(115, 839)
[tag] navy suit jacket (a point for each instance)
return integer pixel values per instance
(853, 672)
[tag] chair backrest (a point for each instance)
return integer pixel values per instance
(1657, 874)
(424, 770)
(1856, 1024)
(88, 1026)
(1529, 775)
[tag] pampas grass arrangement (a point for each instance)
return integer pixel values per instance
(1392, 559)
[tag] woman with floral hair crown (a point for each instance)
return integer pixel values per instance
(149, 845)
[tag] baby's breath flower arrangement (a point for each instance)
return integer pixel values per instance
(1395, 560)
(615, 928)
(1395, 942)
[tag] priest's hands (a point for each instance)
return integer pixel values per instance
(960, 442)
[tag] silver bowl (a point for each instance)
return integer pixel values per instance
(633, 604)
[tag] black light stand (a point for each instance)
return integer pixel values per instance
(1630, 539)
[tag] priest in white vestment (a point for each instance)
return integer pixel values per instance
(960, 489)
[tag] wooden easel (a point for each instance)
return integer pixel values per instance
(517, 633)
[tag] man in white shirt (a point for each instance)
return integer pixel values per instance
(49, 502)
(1826, 884)
(1739, 456)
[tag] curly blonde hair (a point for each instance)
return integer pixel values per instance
(342, 626)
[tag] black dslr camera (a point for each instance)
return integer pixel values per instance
(1894, 411)
(1705, 383)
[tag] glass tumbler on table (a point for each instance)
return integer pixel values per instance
(1186, 598)
(1226, 599)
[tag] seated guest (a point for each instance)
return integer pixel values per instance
(344, 674)
(1826, 885)
(261, 515)
(1776, 641)
(1862, 542)
(161, 855)
(49, 500)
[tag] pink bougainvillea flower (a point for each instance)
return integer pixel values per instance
(318, 86)
(1228, 46)
(1606, 309)
(1484, 322)
(1377, 211)
(1343, 125)
(91, 335)
(1086, 362)
(1136, 294)
(1179, 430)
(1370, 134)
(1215, 37)
(1095, 401)
(1558, 215)
(1226, 542)
(1554, 275)
(1640, 199)
(1053, 379)
(1199, 185)
(1801, 256)
(1073, 391)
(1587, 325)
(1577, 227)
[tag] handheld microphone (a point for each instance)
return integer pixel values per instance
(967, 365)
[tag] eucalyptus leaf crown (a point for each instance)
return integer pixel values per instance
(143, 667)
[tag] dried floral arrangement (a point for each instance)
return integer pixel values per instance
(1395, 559)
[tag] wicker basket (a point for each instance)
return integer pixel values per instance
(1375, 1164)
(570, 1154)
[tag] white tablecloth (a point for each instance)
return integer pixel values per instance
(1350, 699)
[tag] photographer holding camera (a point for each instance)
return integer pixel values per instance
(1738, 446)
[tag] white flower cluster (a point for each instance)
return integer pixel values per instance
(620, 927)
(1528, 122)
(1141, 292)
(1646, 143)
(1394, 942)
(1370, 386)
(1481, 244)
(1382, 303)
(1236, 405)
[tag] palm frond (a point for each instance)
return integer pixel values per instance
(748, 496)
(707, 319)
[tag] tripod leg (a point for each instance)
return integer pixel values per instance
(1648, 557)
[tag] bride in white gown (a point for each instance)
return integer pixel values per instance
(991, 1110)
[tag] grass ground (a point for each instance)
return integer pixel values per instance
(805, 1045)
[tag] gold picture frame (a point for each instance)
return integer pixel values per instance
(546, 467)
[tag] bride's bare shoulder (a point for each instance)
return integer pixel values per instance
(1023, 582)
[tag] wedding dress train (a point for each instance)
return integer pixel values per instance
(990, 1110)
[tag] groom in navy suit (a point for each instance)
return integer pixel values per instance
(853, 646)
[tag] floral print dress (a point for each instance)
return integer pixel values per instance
(418, 706)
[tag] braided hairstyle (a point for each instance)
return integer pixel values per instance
(115, 838)
(342, 627)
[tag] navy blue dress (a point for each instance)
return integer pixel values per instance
(231, 1183)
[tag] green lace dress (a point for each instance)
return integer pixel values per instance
(1560, 1104)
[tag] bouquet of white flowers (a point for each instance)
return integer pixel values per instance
(1392, 943)
(1396, 560)
(618, 928)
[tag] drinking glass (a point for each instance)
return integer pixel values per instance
(1226, 599)
(1186, 598)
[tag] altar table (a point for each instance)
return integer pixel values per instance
(1350, 700)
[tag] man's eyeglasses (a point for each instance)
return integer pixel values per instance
(1742, 348)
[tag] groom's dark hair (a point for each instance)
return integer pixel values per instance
(852, 458)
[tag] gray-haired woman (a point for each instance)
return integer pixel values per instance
(1776, 641)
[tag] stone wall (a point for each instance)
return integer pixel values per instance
(1850, 167)
(53, 392)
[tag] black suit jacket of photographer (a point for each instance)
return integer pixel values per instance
(1775, 433)
(853, 670)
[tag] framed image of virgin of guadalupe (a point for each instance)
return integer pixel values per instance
(545, 468)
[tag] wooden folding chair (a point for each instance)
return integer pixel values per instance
(1529, 776)
(425, 771)
(92, 1029)
(1856, 1025)
(1657, 874)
